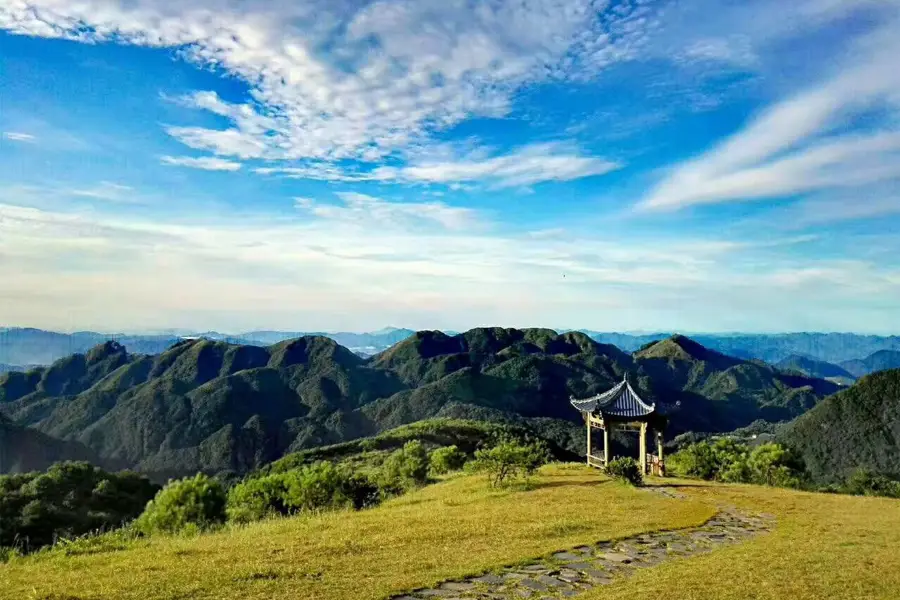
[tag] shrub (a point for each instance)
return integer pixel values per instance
(697, 460)
(69, 500)
(626, 470)
(864, 482)
(447, 459)
(730, 461)
(321, 486)
(185, 506)
(404, 469)
(255, 499)
(510, 459)
(773, 464)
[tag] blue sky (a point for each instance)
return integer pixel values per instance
(345, 165)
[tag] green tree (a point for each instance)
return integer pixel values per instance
(510, 459)
(70, 499)
(405, 468)
(447, 459)
(773, 464)
(192, 504)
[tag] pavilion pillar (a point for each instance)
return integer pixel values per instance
(659, 451)
(606, 427)
(642, 458)
(587, 419)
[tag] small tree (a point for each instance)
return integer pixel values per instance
(447, 459)
(773, 464)
(625, 469)
(196, 503)
(405, 469)
(510, 459)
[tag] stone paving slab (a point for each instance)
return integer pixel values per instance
(568, 573)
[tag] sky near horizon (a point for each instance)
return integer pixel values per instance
(345, 165)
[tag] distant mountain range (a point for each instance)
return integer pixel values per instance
(217, 406)
(25, 346)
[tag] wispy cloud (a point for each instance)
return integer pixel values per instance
(18, 136)
(107, 191)
(525, 166)
(367, 210)
(797, 145)
(205, 163)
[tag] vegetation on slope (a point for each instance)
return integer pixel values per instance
(456, 528)
(69, 499)
(212, 406)
(23, 449)
(858, 427)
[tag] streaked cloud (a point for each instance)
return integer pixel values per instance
(205, 163)
(801, 144)
(107, 191)
(18, 136)
(369, 211)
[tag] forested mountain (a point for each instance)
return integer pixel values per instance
(23, 449)
(816, 368)
(877, 361)
(212, 406)
(858, 427)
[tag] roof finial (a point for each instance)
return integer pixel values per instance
(625, 377)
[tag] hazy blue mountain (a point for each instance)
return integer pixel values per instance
(877, 361)
(6, 368)
(816, 368)
(829, 347)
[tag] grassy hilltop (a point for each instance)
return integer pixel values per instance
(822, 546)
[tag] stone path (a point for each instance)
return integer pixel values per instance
(569, 573)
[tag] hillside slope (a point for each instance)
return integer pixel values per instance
(858, 427)
(215, 406)
(877, 361)
(816, 368)
(23, 449)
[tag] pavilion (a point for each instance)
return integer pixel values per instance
(621, 408)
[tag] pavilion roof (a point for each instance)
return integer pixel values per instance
(621, 401)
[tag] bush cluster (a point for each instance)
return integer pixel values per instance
(404, 469)
(320, 486)
(625, 469)
(70, 499)
(865, 482)
(185, 506)
(729, 461)
(446, 459)
(510, 459)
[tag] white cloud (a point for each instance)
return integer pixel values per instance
(206, 163)
(345, 270)
(107, 191)
(797, 145)
(367, 210)
(526, 166)
(395, 71)
(522, 167)
(18, 136)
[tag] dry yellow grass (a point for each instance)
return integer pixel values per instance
(824, 547)
(452, 529)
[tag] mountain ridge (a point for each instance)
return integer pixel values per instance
(211, 405)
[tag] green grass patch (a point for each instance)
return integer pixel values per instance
(455, 528)
(823, 547)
